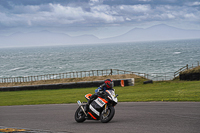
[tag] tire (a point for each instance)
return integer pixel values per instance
(107, 116)
(79, 115)
(147, 82)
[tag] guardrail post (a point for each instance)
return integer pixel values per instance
(111, 72)
(82, 74)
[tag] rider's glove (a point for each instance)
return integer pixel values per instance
(101, 86)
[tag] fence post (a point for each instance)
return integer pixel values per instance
(82, 74)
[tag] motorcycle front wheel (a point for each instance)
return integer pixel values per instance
(107, 115)
(79, 115)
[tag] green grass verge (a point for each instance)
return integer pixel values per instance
(158, 91)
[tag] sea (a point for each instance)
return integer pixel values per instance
(144, 57)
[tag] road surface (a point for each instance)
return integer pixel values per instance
(130, 117)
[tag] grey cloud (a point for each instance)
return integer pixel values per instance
(94, 13)
(10, 3)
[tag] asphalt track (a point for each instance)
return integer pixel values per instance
(133, 117)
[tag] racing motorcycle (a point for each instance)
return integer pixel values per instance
(102, 108)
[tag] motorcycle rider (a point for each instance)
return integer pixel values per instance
(107, 85)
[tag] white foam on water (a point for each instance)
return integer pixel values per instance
(143, 57)
(17, 68)
(176, 52)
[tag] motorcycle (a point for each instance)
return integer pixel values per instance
(102, 108)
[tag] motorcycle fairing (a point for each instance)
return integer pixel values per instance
(92, 115)
(96, 107)
(94, 110)
(87, 96)
(111, 96)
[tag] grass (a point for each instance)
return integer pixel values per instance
(158, 91)
(193, 70)
(164, 91)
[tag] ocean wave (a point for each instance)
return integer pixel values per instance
(176, 52)
(145, 58)
(17, 68)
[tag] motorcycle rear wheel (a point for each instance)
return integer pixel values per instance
(79, 115)
(108, 115)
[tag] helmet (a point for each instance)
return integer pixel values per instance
(109, 83)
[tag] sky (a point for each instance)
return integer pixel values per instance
(102, 18)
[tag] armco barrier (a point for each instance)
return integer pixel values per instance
(190, 76)
(127, 82)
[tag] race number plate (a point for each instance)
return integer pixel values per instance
(100, 102)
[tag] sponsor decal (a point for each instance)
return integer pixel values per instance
(100, 102)
(94, 110)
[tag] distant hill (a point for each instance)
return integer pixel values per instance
(155, 33)
(44, 38)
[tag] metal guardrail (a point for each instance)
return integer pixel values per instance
(181, 70)
(77, 74)
(106, 72)
(185, 68)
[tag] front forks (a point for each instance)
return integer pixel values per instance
(80, 104)
(105, 108)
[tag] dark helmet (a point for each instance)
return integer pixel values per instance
(109, 83)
